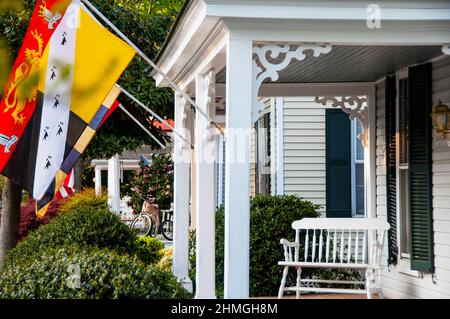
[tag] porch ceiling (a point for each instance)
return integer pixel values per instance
(352, 64)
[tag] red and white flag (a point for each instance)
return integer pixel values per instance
(67, 188)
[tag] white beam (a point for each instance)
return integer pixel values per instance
(182, 159)
(280, 145)
(98, 181)
(371, 156)
(273, 147)
(114, 183)
(417, 32)
(205, 181)
(237, 167)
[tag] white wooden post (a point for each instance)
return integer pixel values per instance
(370, 167)
(205, 181)
(370, 154)
(273, 147)
(237, 167)
(114, 183)
(193, 187)
(220, 170)
(98, 181)
(182, 160)
(280, 145)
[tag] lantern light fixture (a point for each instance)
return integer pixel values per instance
(441, 120)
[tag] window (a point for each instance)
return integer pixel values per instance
(263, 154)
(358, 185)
(403, 165)
(409, 175)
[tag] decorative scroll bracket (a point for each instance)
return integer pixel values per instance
(184, 126)
(355, 107)
(446, 49)
(268, 70)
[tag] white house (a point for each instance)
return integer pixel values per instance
(385, 65)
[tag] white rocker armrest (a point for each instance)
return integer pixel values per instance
(288, 243)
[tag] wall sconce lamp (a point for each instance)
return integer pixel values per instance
(441, 120)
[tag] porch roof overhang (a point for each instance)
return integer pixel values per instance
(411, 32)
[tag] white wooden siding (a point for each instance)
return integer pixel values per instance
(399, 285)
(304, 149)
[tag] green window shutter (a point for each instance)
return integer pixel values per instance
(338, 164)
(420, 167)
(391, 173)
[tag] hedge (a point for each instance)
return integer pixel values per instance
(84, 226)
(104, 274)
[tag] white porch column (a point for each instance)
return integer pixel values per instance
(114, 183)
(205, 184)
(98, 181)
(280, 144)
(182, 161)
(237, 167)
(370, 156)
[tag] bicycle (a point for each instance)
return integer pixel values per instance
(147, 222)
(166, 227)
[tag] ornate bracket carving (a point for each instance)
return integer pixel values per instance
(184, 126)
(269, 70)
(355, 107)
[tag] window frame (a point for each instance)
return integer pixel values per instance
(356, 161)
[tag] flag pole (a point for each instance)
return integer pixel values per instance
(142, 126)
(153, 65)
(145, 107)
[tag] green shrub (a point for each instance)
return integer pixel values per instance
(86, 198)
(271, 218)
(105, 274)
(150, 250)
(84, 226)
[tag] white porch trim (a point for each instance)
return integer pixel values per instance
(114, 183)
(237, 167)
(98, 181)
(205, 150)
(280, 145)
(182, 162)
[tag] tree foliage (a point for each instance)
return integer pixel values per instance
(147, 24)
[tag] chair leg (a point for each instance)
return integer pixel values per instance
(299, 278)
(283, 282)
(378, 283)
(369, 278)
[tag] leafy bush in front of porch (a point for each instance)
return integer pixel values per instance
(87, 273)
(93, 226)
(86, 198)
(112, 261)
(149, 249)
